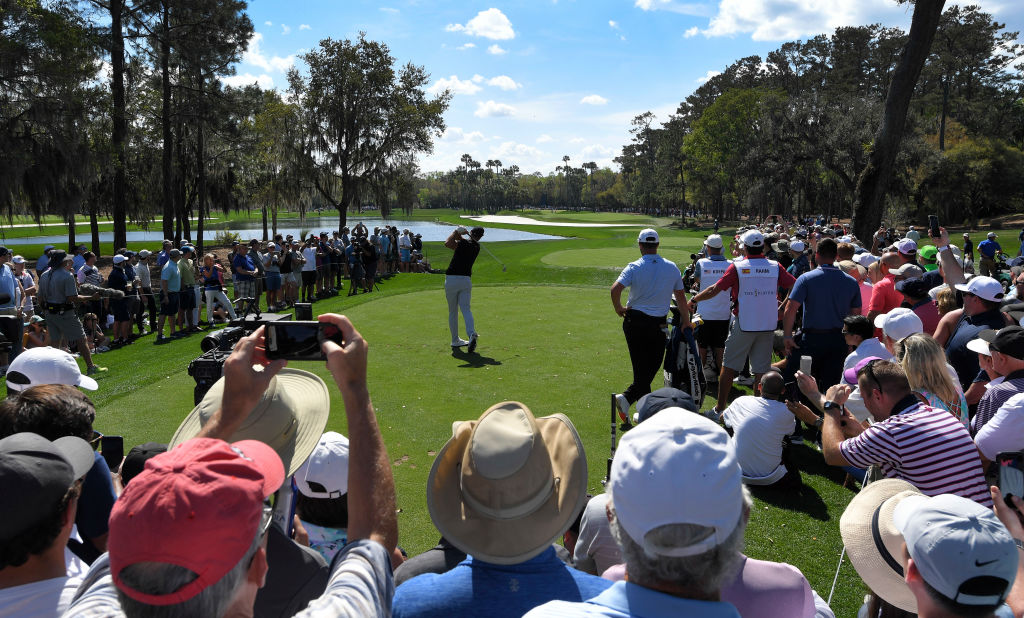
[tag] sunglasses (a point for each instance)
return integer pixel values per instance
(869, 371)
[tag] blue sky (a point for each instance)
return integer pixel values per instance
(536, 80)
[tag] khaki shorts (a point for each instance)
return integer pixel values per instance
(64, 325)
(757, 346)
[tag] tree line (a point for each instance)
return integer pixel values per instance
(119, 108)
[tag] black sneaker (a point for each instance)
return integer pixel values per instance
(472, 343)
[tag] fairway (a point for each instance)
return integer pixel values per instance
(558, 349)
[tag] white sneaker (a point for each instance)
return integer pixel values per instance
(713, 414)
(744, 380)
(472, 343)
(623, 405)
(458, 343)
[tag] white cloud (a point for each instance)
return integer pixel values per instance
(707, 76)
(613, 24)
(388, 9)
(466, 46)
(515, 149)
(456, 85)
(593, 99)
(503, 81)
(264, 81)
(286, 29)
(490, 24)
(597, 149)
(268, 23)
(254, 56)
(477, 78)
(577, 140)
(496, 50)
(491, 109)
(792, 19)
(305, 27)
(691, 32)
(545, 138)
(456, 135)
(685, 8)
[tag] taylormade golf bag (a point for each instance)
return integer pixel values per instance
(682, 362)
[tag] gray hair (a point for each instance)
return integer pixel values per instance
(162, 578)
(705, 573)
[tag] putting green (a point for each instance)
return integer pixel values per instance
(677, 250)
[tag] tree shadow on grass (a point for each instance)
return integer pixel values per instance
(473, 360)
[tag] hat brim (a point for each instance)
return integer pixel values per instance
(857, 526)
(509, 541)
(979, 346)
(310, 419)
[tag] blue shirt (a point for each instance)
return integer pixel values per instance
(97, 499)
(799, 266)
(827, 295)
(478, 588)
(988, 247)
(172, 276)
(651, 281)
(77, 263)
(624, 599)
(7, 285)
(41, 263)
(245, 263)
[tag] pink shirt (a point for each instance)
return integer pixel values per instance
(866, 291)
(928, 311)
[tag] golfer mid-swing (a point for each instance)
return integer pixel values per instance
(457, 283)
(652, 281)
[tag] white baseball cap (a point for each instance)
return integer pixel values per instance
(846, 238)
(325, 473)
(798, 246)
(983, 287)
(865, 259)
(980, 344)
(676, 467)
(18, 259)
(714, 241)
(907, 247)
(960, 548)
(145, 253)
(118, 259)
(648, 236)
(899, 323)
(46, 365)
(991, 234)
(752, 238)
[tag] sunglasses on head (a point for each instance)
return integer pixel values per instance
(869, 371)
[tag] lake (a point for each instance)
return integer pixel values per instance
(430, 230)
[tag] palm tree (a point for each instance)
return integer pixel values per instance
(565, 179)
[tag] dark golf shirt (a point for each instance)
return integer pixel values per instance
(462, 262)
(964, 361)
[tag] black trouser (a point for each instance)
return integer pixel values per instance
(645, 338)
(149, 301)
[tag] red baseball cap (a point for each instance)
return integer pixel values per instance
(197, 506)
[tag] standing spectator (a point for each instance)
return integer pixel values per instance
(261, 271)
(827, 296)
(477, 489)
(908, 439)
(165, 254)
(968, 247)
(39, 480)
(982, 299)
(987, 251)
(146, 291)
(272, 267)
(405, 250)
(309, 269)
(244, 270)
(714, 313)
(13, 325)
(27, 289)
(860, 275)
(652, 281)
(884, 297)
(753, 283)
(170, 291)
(44, 260)
(212, 278)
(59, 294)
(187, 305)
(118, 280)
(135, 307)
(286, 264)
(799, 263)
(89, 273)
(78, 261)
(1020, 241)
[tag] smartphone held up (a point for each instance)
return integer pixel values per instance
(299, 340)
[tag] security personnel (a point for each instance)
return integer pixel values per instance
(754, 283)
(652, 281)
(714, 313)
(58, 294)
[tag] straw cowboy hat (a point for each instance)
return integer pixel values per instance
(290, 417)
(504, 487)
(875, 544)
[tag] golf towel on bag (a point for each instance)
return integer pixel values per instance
(682, 363)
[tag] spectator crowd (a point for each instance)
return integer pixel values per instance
(902, 367)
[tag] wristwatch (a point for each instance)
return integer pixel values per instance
(818, 423)
(831, 405)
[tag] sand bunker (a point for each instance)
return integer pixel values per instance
(517, 220)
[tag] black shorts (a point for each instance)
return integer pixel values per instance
(308, 277)
(119, 307)
(712, 333)
(187, 299)
(169, 305)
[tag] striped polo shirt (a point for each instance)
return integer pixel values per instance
(927, 447)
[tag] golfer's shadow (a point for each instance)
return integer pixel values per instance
(473, 359)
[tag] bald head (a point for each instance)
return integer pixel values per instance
(772, 385)
(891, 261)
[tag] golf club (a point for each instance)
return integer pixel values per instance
(484, 247)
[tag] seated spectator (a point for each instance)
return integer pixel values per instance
(135, 461)
(987, 375)
(147, 533)
(596, 549)
(322, 500)
(897, 325)
(1004, 432)
(490, 493)
(982, 298)
(945, 301)
(94, 335)
(40, 483)
(1007, 352)
(930, 377)
(661, 399)
(860, 335)
(55, 411)
(678, 511)
(440, 558)
(35, 333)
(761, 427)
(46, 366)
(908, 439)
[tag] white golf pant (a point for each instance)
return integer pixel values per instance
(457, 288)
(211, 296)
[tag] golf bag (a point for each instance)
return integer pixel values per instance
(683, 368)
